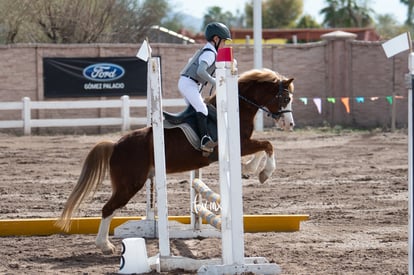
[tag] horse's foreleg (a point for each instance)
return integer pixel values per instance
(254, 146)
(251, 166)
(102, 240)
(269, 168)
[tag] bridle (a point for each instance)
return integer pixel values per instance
(279, 113)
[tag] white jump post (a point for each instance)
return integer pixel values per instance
(150, 210)
(154, 78)
(392, 47)
(228, 126)
(411, 169)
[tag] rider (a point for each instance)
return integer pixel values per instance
(198, 72)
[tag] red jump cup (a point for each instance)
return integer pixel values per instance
(225, 55)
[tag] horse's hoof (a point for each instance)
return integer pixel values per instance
(263, 177)
(107, 249)
(246, 170)
(245, 176)
(108, 252)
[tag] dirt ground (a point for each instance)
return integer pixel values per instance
(352, 184)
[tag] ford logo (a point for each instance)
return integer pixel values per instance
(103, 72)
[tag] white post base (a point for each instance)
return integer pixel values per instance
(257, 265)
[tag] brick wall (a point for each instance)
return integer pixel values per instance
(334, 68)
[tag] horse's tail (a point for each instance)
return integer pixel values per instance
(93, 172)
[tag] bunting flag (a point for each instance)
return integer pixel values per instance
(304, 100)
(331, 100)
(346, 101)
(318, 103)
(360, 99)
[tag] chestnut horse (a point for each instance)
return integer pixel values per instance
(131, 159)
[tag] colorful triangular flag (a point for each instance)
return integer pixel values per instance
(304, 100)
(360, 99)
(345, 101)
(318, 103)
(331, 99)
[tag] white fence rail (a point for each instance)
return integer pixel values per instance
(124, 120)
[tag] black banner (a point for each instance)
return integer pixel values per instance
(103, 76)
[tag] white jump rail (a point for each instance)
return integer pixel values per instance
(124, 120)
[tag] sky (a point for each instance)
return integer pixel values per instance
(198, 8)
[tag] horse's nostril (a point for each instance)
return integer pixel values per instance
(291, 124)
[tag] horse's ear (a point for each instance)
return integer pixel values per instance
(290, 80)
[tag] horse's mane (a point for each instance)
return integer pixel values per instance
(263, 75)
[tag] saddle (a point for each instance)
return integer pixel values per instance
(187, 122)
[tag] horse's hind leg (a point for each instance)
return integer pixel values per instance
(122, 191)
(102, 241)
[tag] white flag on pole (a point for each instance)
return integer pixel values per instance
(396, 45)
(144, 52)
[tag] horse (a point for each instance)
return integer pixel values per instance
(130, 160)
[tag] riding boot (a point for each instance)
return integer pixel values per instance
(207, 143)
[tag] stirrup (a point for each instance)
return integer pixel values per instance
(207, 144)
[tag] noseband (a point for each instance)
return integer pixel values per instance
(276, 115)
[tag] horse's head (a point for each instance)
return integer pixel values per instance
(271, 92)
(285, 120)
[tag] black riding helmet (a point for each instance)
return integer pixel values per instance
(219, 29)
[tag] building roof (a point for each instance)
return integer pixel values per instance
(160, 34)
(301, 35)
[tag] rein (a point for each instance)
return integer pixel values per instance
(276, 115)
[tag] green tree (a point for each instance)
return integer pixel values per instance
(73, 21)
(410, 8)
(307, 22)
(276, 13)
(347, 13)
(133, 20)
(215, 13)
(79, 21)
(12, 16)
(174, 22)
(387, 27)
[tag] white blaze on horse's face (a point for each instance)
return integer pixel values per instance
(286, 121)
